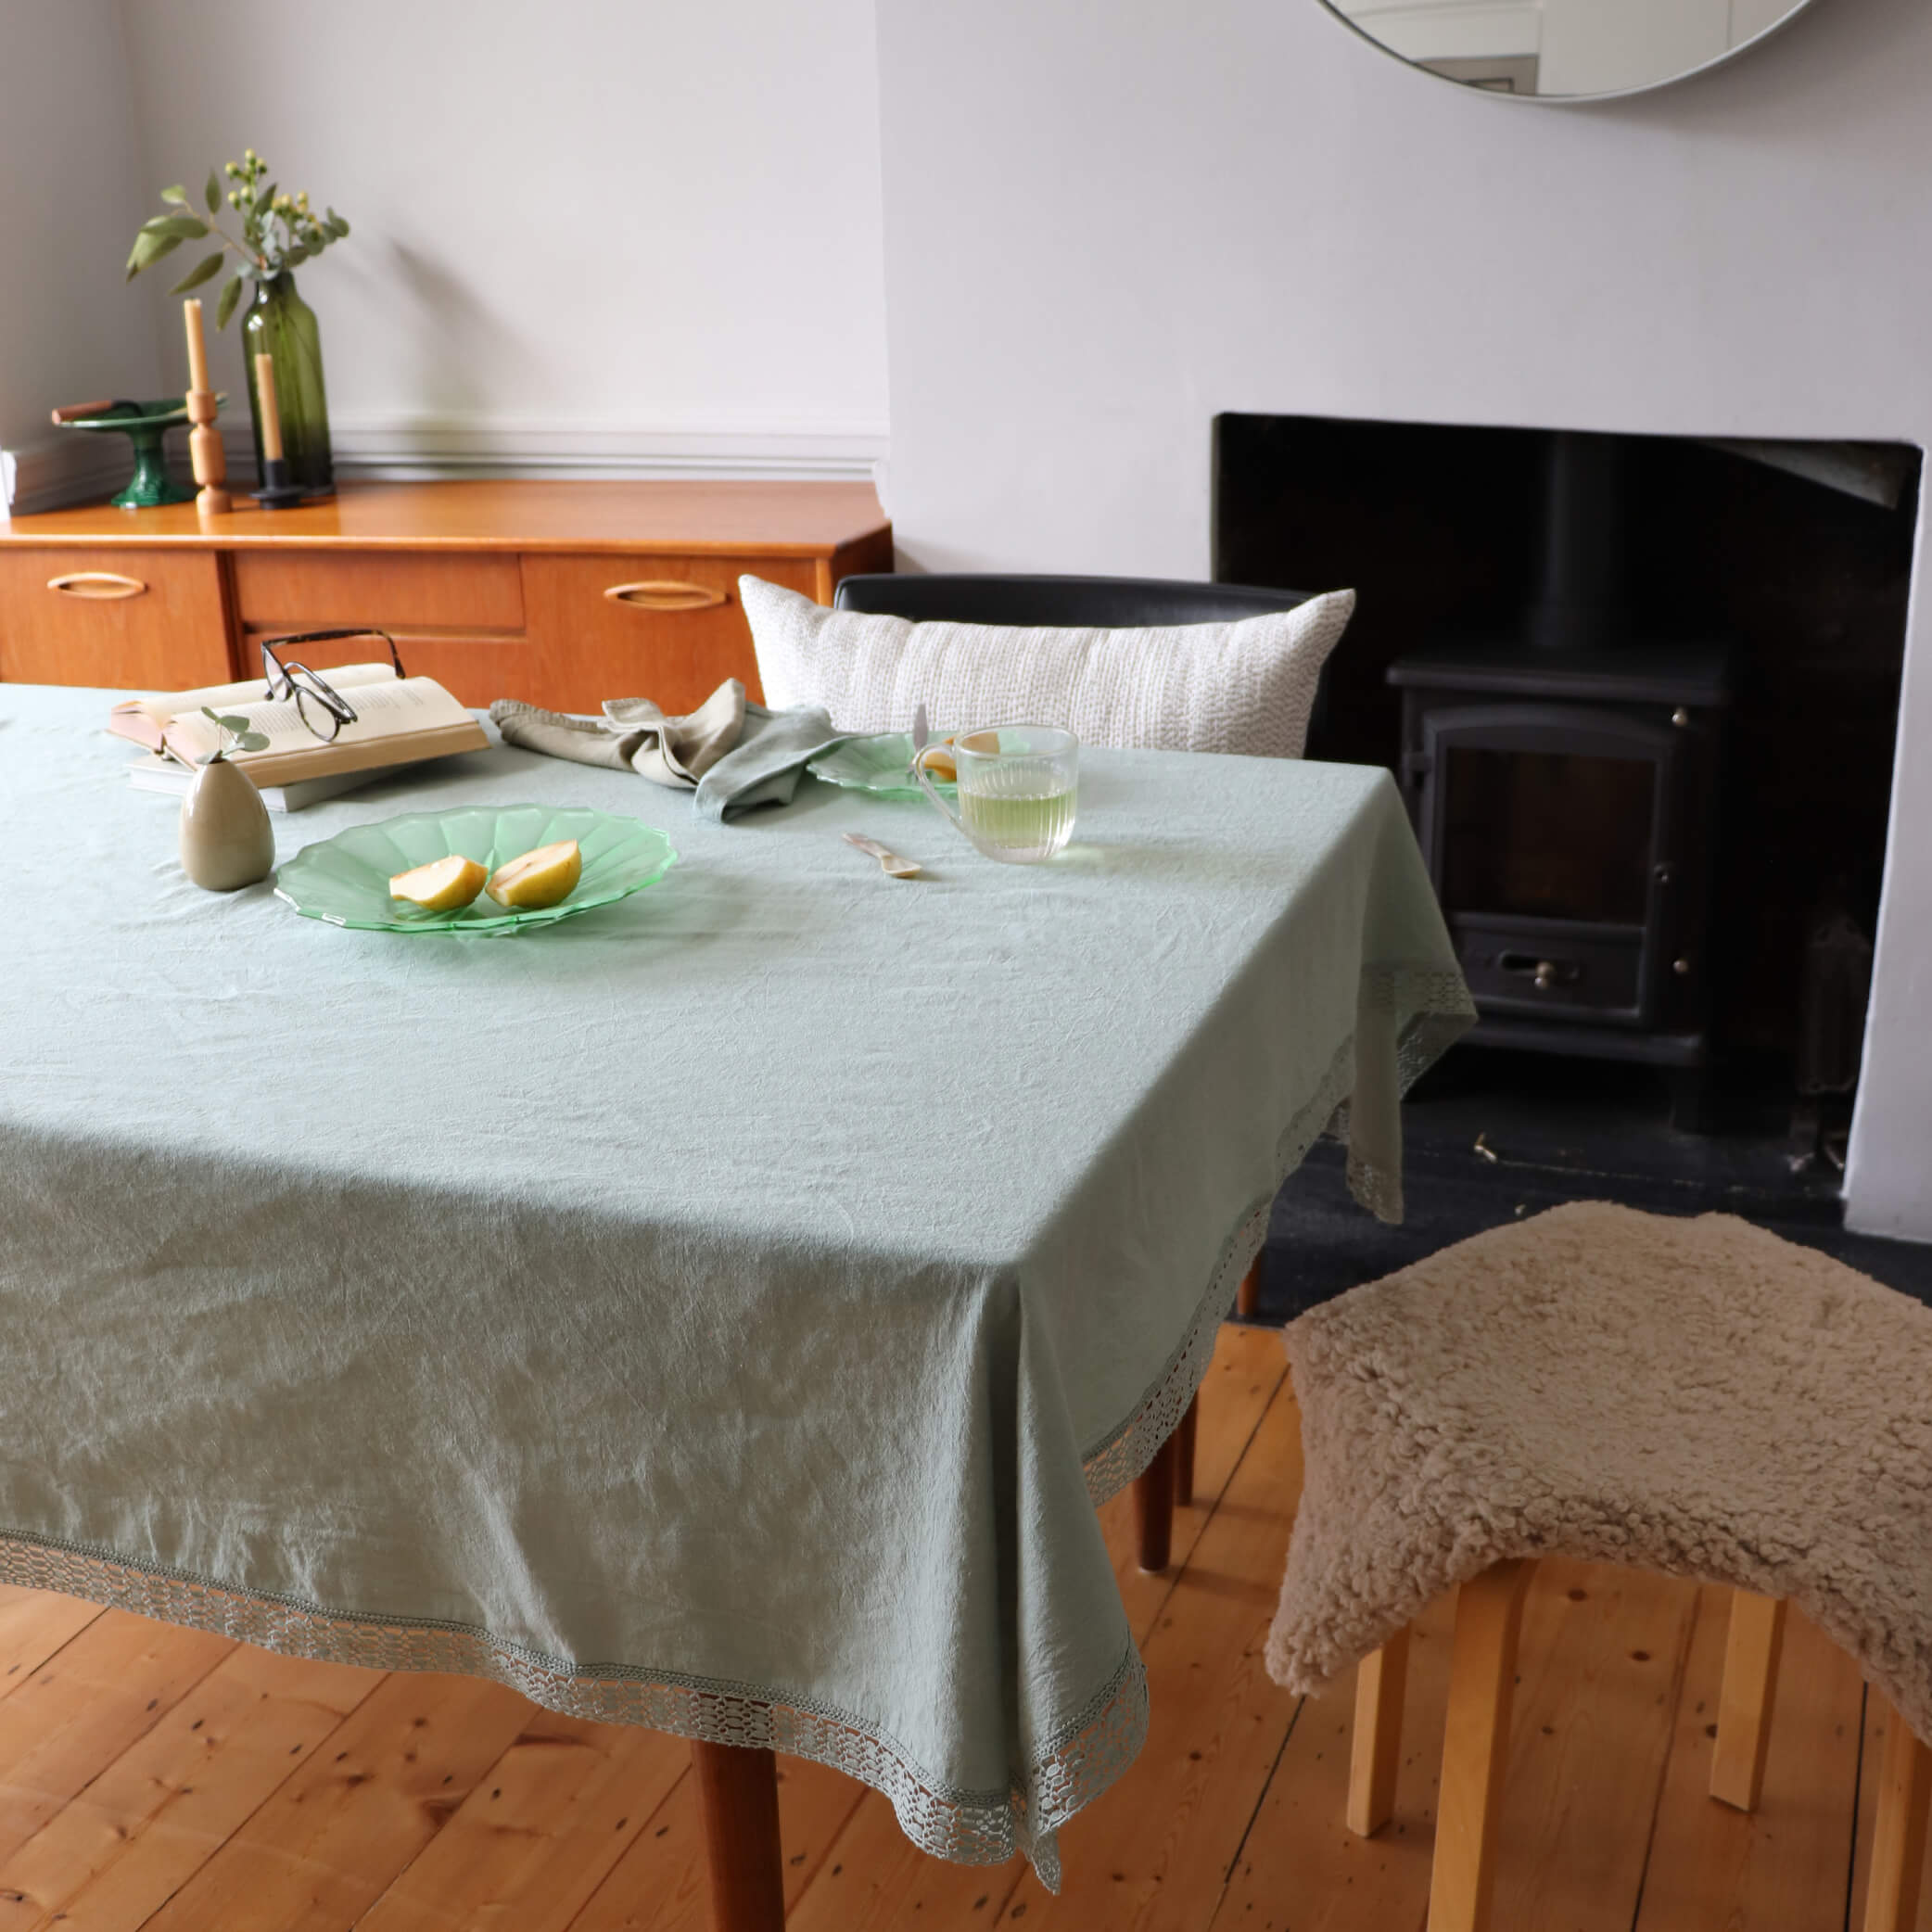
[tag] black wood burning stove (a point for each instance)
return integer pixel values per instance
(1562, 775)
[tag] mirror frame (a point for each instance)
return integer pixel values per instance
(1334, 9)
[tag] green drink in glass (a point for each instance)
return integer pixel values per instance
(1018, 789)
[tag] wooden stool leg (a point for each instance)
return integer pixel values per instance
(1247, 1297)
(1184, 1453)
(1899, 1835)
(738, 1799)
(1153, 1508)
(1380, 1681)
(1743, 1703)
(1489, 1618)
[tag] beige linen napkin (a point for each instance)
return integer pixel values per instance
(634, 734)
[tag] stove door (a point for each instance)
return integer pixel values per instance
(1550, 831)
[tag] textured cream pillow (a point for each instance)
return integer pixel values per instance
(1240, 687)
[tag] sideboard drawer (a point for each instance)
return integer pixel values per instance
(475, 669)
(293, 589)
(665, 628)
(129, 619)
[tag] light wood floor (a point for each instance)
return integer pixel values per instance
(155, 1777)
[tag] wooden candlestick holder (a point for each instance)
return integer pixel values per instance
(209, 459)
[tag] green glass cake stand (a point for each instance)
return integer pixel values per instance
(146, 425)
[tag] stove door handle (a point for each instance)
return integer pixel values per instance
(1545, 976)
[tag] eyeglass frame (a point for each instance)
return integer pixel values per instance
(317, 687)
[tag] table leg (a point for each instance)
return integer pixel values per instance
(1184, 1453)
(1247, 1296)
(1153, 1507)
(738, 1800)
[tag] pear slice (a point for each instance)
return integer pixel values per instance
(441, 885)
(538, 879)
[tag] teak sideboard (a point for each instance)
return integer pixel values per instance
(561, 594)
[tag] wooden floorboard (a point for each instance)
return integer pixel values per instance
(98, 1695)
(331, 1840)
(1878, 1716)
(166, 1780)
(539, 1833)
(1788, 1862)
(1301, 1869)
(110, 1860)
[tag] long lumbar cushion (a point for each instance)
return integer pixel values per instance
(1240, 687)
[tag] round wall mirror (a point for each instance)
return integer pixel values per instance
(1564, 49)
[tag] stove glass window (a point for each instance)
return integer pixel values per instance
(1548, 834)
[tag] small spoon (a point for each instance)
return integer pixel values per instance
(890, 863)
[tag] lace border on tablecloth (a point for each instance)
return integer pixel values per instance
(970, 1827)
(1071, 1768)
(1432, 1008)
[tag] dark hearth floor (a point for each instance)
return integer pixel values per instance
(1559, 1130)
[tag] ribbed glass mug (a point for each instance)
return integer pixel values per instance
(1018, 789)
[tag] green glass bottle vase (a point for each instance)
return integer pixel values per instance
(280, 324)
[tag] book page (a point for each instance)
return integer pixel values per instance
(249, 691)
(391, 709)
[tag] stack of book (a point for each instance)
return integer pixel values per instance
(399, 721)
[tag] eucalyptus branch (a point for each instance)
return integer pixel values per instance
(244, 737)
(279, 232)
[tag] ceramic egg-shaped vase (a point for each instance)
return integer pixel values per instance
(226, 840)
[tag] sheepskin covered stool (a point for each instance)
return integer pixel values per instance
(1691, 1396)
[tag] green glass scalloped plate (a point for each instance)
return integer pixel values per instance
(344, 881)
(881, 764)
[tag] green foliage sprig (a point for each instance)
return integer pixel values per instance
(279, 232)
(246, 738)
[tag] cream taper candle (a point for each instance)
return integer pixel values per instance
(197, 347)
(271, 411)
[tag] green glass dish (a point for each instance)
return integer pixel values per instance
(881, 765)
(344, 881)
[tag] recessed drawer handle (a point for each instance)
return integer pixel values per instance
(97, 584)
(667, 593)
(1544, 974)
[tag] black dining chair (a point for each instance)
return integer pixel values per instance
(1114, 603)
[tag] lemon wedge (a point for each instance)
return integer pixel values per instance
(441, 885)
(538, 879)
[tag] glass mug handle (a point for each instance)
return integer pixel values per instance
(925, 785)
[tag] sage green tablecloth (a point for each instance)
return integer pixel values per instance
(720, 1312)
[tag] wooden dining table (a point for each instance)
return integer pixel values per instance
(720, 1312)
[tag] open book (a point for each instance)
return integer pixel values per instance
(399, 721)
(143, 719)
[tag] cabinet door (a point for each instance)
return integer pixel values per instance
(126, 619)
(669, 629)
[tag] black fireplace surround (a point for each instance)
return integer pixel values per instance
(1641, 694)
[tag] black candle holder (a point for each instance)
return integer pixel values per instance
(278, 490)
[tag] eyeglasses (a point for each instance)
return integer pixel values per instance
(317, 702)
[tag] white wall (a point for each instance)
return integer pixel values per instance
(1103, 225)
(68, 208)
(588, 235)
